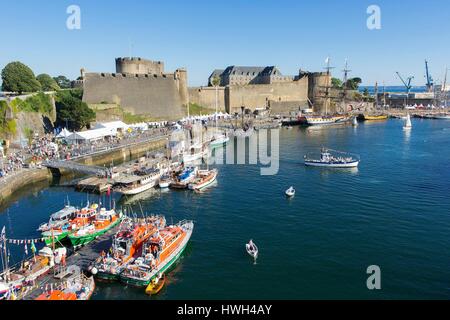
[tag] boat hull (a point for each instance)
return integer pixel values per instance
(78, 241)
(203, 185)
(135, 282)
(142, 188)
(374, 118)
(332, 165)
(162, 268)
(56, 238)
(107, 276)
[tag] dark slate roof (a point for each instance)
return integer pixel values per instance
(251, 71)
(217, 72)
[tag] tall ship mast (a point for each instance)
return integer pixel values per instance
(344, 85)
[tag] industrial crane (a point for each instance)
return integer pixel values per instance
(406, 83)
(408, 86)
(429, 78)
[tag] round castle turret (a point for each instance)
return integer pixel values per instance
(138, 65)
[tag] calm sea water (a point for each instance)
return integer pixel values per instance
(394, 212)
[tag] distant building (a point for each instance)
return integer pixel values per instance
(237, 75)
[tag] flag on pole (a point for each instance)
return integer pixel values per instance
(327, 60)
(33, 248)
(26, 249)
(2, 235)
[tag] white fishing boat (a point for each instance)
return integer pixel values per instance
(137, 183)
(290, 192)
(203, 179)
(408, 124)
(59, 219)
(164, 182)
(252, 249)
(327, 159)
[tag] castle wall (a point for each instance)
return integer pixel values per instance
(260, 96)
(155, 96)
(206, 97)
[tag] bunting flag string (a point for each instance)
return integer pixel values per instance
(25, 241)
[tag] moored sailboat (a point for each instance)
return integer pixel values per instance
(408, 124)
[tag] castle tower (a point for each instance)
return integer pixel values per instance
(181, 78)
(139, 66)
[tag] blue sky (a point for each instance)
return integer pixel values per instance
(203, 35)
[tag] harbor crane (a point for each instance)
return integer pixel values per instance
(429, 78)
(407, 85)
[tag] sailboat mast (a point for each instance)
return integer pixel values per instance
(346, 71)
(443, 89)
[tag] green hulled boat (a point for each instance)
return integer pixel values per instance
(104, 221)
(57, 236)
(145, 268)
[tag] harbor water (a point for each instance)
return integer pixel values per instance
(393, 212)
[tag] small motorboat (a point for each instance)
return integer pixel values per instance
(156, 284)
(290, 192)
(252, 249)
(164, 182)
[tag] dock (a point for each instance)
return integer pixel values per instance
(94, 184)
(82, 258)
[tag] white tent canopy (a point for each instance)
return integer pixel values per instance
(64, 134)
(91, 135)
(113, 126)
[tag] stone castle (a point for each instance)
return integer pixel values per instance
(142, 87)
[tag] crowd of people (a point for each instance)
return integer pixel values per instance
(11, 164)
(49, 147)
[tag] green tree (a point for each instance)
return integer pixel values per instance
(47, 82)
(215, 81)
(71, 111)
(336, 83)
(18, 77)
(353, 83)
(63, 82)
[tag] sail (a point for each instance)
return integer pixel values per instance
(408, 121)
